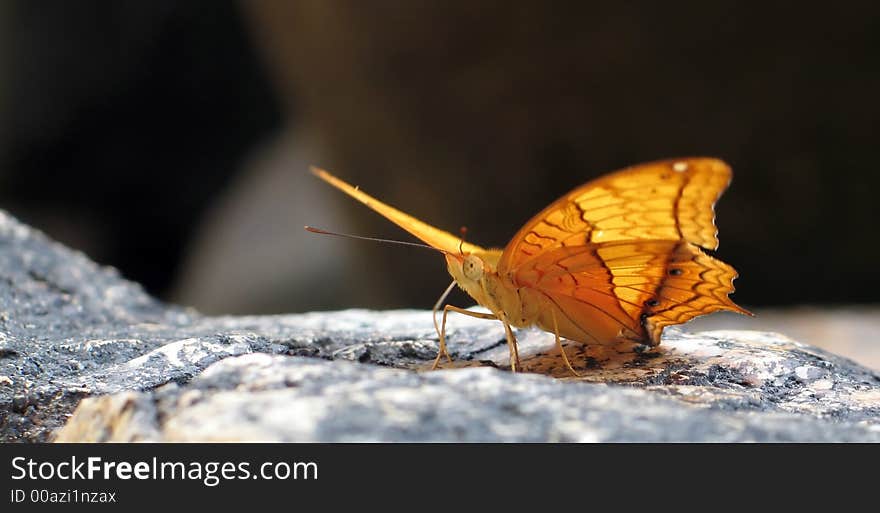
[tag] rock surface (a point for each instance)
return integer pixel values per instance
(76, 334)
(271, 397)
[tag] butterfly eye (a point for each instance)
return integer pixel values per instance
(472, 267)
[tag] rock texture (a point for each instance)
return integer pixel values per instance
(75, 336)
(271, 397)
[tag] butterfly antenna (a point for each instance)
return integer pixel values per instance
(373, 239)
(463, 231)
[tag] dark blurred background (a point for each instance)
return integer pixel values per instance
(172, 139)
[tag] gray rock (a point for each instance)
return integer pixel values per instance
(74, 335)
(272, 397)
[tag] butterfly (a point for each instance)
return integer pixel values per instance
(618, 258)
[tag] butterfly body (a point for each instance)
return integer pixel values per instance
(616, 259)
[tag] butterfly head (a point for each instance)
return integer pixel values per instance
(467, 271)
(465, 267)
(470, 271)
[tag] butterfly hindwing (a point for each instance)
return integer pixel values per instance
(694, 284)
(627, 289)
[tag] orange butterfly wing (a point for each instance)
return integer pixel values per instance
(434, 237)
(619, 256)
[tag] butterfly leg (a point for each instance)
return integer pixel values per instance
(559, 344)
(511, 344)
(446, 310)
(440, 333)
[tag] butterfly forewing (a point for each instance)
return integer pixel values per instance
(667, 200)
(619, 257)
